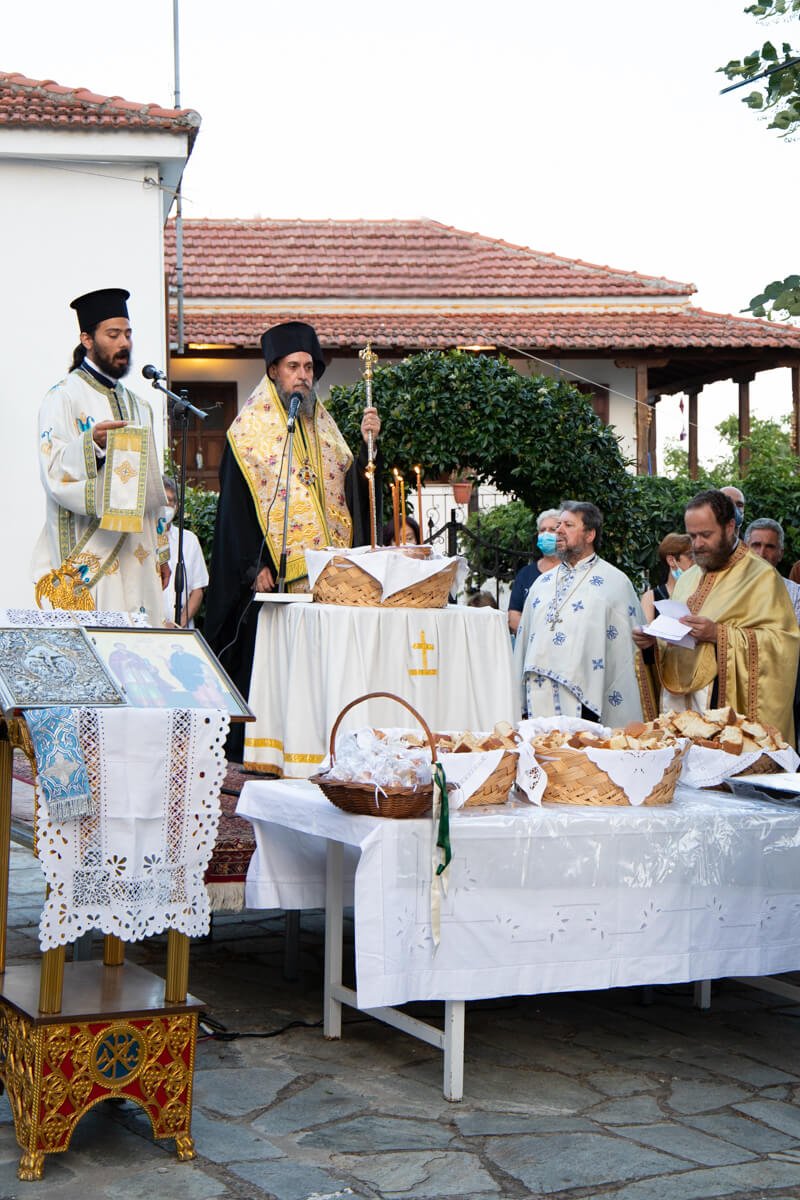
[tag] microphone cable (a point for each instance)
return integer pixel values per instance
(261, 549)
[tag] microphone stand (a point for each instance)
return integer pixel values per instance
(281, 582)
(180, 409)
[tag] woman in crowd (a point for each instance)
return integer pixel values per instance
(675, 552)
(546, 525)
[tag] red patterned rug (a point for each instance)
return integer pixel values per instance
(235, 842)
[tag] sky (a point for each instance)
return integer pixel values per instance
(591, 130)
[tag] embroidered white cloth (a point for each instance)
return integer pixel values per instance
(47, 618)
(453, 665)
(544, 899)
(637, 772)
(704, 767)
(393, 571)
(136, 868)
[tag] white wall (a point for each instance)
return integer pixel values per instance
(65, 228)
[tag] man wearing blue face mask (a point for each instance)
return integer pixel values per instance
(573, 655)
(737, 499)
(546, 525)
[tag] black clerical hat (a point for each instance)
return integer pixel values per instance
(290, 337)
(98, 306)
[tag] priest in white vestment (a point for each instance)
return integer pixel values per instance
(574, 655)
(106, 507)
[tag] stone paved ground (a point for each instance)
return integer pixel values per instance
(566, 1097)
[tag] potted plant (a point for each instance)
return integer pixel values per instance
(461, 482)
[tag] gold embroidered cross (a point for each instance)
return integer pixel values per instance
(423, 646)
(125, 471)
(141, 554)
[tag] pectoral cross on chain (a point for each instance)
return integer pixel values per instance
(554, 620)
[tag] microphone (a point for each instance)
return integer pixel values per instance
(295, 400)
(151, 372)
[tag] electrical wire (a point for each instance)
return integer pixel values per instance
(251, 597)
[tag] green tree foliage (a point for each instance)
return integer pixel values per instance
(779, 301)
(777, 96)
(499, 541)
(537, 439)
(201, 513)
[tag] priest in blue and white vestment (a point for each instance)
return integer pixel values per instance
(574, 654)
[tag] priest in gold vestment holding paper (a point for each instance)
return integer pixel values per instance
(328, 503)
(747, 637)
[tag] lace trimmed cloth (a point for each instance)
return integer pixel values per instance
(704, 767)
(136, 867)
(49, 618)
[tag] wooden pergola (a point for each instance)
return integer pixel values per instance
(689, 373)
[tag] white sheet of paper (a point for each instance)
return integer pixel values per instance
(672, 608)
(284, 597)
(669, 629)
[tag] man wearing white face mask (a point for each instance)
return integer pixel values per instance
(196, 572)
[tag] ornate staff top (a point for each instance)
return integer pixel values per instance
(369, 358)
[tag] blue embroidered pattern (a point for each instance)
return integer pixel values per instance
(577, 606)
(612, 632)
(597, 581)
(598, 664)
(615, 698)
(559, 639)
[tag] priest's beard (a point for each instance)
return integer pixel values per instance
(306, 409)
(114, 367)
(571, 557)
(716, 556)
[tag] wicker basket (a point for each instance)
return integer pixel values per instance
(343, 582)
(495, 789)
(762, 766)
(364, 798)
(572, 778)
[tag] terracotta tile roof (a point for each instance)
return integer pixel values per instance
(42, 104)
(556, 333)
(384, 259)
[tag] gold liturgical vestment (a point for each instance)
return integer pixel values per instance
(318, 510)
(758, 640)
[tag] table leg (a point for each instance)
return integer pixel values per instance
(702, 993)
(332, 1011)
(453, 1049)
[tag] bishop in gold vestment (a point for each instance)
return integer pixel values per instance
(328, 500)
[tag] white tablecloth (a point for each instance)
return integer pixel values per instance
(544, 899)
(454, 665)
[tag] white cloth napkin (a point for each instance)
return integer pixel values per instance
(704, 767)
(392, 570)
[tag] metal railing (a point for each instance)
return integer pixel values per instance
(446, 539)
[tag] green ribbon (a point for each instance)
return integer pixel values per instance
(443, 832)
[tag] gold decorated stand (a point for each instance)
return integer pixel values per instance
(74, 1034)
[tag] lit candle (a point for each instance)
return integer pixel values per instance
(418, 470)
(395, 513)
(402, 541)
